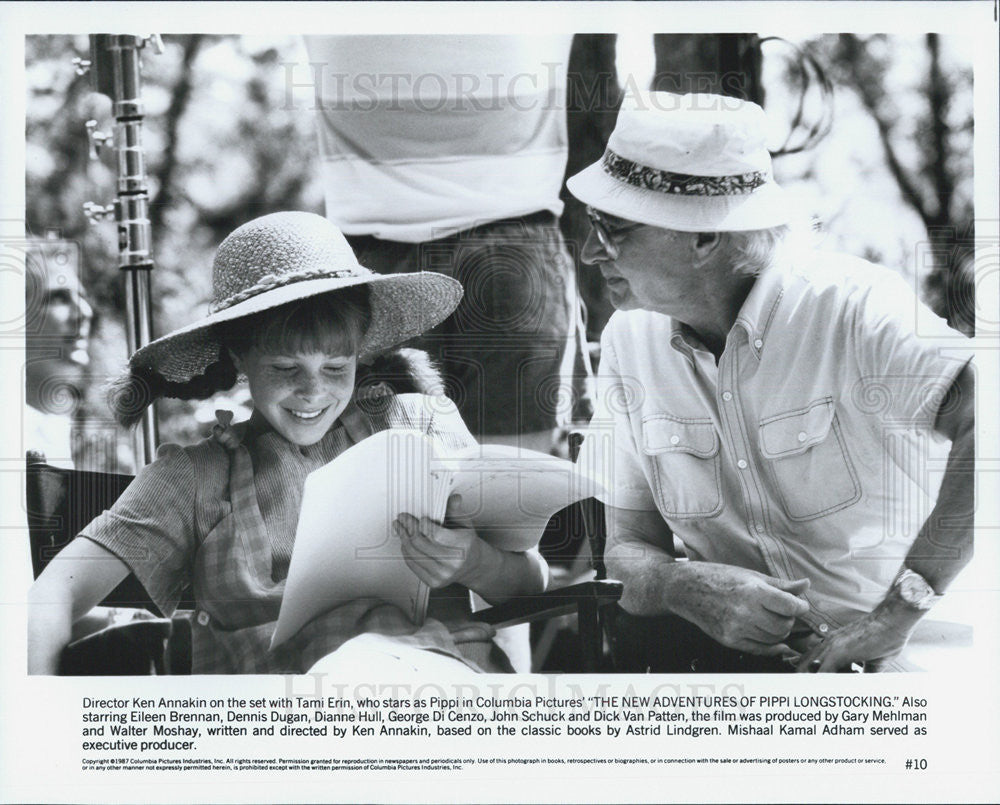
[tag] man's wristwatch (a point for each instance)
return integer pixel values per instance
(914, 590)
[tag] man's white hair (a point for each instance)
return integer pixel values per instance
(754, 250)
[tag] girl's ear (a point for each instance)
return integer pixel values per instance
(237, 361)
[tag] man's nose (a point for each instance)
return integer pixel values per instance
(593, 252)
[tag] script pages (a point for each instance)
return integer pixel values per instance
(345, 546)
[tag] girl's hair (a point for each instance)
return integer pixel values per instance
(334, 323)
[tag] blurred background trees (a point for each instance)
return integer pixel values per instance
(893, 180)
(229, 137)
(925, 129)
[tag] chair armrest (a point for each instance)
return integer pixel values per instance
(561, 601)
(135, 648)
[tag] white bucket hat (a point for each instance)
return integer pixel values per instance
(284, 257)
(694, 163)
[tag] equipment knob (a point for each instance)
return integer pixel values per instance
(95, 139)
(97, 212)
(155, 41)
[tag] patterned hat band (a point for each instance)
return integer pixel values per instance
(271, 281)
(681, 184)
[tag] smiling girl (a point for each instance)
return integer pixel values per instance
(293, 312)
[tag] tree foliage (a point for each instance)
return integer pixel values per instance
(924, 119)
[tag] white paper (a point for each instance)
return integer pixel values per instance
(345, 546)
(509, 495)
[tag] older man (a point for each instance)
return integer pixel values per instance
(770, 412)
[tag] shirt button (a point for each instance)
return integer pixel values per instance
(758, 343)
(741, 464)
(675, 439)
(802, 435)
(203, 618)
(824, 628)
(727, 395)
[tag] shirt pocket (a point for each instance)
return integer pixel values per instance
(684, 457)
(807, 456)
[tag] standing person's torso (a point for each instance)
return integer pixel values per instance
(424, 136)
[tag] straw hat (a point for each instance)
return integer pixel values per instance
(285, 257)
(694, 163)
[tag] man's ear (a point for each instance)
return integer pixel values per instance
(705, 245)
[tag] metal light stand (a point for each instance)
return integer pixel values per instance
(115, 68)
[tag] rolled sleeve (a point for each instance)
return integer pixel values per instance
(907, 356)
(151, 526)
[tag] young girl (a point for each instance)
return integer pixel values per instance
(293, 311)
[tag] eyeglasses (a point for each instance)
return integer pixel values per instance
(608, 235)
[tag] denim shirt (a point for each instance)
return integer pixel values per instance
(808, 450)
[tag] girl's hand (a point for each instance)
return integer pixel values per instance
(440, 556)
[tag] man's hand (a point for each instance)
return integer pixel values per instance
(741, 608)
(876, 637)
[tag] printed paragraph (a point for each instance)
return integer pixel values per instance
(139, 724)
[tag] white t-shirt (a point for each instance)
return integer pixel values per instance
(424, 136)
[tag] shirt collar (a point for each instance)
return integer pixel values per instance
(683, 339)
(760, 306)
(754, 317)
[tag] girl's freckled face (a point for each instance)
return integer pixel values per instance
(300, 394)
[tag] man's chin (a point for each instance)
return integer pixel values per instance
(620, 296)
(624, 302)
